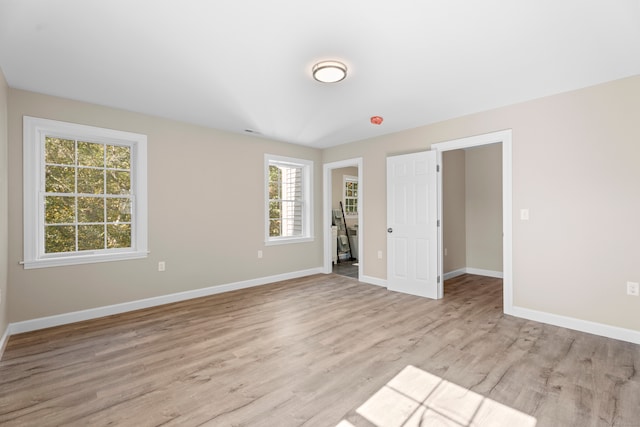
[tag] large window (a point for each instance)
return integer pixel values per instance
(288, 200)
(84, 194)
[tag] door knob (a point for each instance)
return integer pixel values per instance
(389, 230)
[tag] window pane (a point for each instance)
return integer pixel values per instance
(287, 207)
(274, 227)
(59, 151)
(118, 210)
(59, 210)
(118, 182)
(118, 236)
(291, 219)
(90, 237)
(90, 181)
(274, 209)
(118, 157)
(274, 190)
(90, 154)
(90, 209)
(59, 238)
(59, 179)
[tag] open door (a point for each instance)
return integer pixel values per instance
(412, 224)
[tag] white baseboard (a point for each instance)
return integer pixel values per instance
(587, 326)
(538, 316)
(373, 280)
(471, 270)
(94, 313)
(488, 273)
(454, 273)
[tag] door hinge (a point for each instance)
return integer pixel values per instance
(438, 279)
(437, 168)
(438, 223)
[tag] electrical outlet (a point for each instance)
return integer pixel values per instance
(161, 266)
(633, 288)
(259, 254)
(445, 251)
(379, 254)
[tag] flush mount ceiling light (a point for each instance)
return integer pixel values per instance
(329, 71)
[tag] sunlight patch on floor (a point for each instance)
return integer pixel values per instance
(417, 398)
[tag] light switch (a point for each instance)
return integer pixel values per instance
(524, 214)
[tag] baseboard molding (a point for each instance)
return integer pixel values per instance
(600, 329)
(587, 326)
(454, 273)
(471, 270)
(94, 313)
(373, 280)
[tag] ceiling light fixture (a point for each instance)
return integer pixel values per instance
(329, 71)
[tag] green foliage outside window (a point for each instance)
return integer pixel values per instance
(87, 204)
(275, 204)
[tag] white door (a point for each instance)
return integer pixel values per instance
(412, 229)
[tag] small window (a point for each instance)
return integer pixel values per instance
(350, 199)
(84, 194)
(288, 200)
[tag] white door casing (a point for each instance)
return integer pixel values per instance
(412, 215)
(505, 138)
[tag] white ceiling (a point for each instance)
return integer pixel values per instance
(245, 64)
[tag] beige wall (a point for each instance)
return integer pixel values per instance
(575, 166)
(483, 204)
(4, 318)
(454, 230)
(337, 181)
(206, 206)
(472, 208)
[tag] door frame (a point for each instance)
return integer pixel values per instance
(327, 188)
(504, 137)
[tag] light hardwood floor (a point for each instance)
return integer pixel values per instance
(321, 351)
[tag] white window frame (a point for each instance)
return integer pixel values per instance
(345, 179)
(307, 212)
(35, 131)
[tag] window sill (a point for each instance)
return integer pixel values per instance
(287, 240)
(82, 259)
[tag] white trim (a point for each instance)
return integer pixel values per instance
(608, 331)
(307, 197)
(504, 137)
(488, 273)
(600, 329)
(373, 280)
(471, 270)
(94, 313)
(34, 132)
(454, 273)
(327, 190)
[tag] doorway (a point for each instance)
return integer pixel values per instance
(504, 139)
(472, 211)
(343, 217)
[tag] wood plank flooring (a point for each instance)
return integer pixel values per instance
(321, 351)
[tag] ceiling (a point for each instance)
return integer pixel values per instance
(243, 65)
